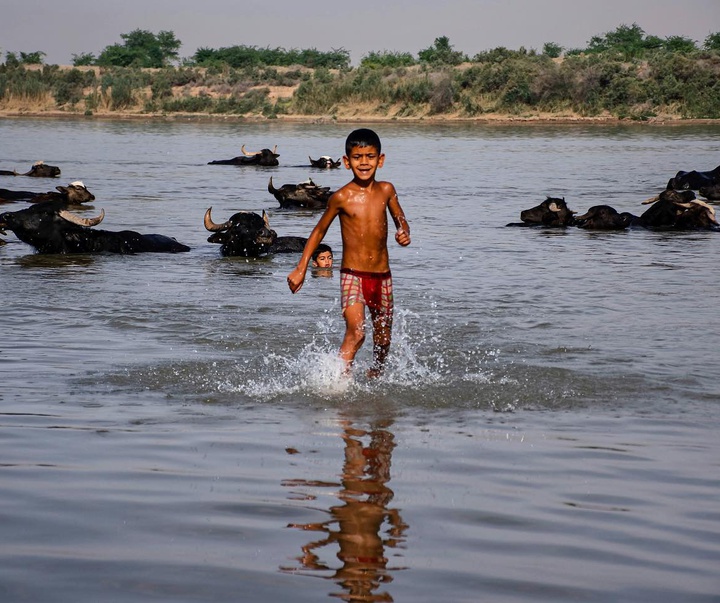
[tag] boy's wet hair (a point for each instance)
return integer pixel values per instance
(322, 248)
(362, 137)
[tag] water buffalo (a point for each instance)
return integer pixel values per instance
(306, 195)
(248, 234)
(711, 193)
(75, 193)
(678, 210)
(264, 157)
(50, 228)
(38, 170)
(325, 162)
(551, 212)
(694, 180)
(605, 217)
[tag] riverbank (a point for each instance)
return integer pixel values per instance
(488, 119)
(527, 90)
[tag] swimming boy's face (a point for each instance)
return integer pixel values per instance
(324, 260)
(364, 162)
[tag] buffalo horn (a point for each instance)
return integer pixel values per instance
(709, 209)
(244, 152)
(75, 219)
(266, 220)
(651, 200)
(271, 188)
(212, 226)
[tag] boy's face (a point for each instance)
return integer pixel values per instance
(364, 162)
(323, 260)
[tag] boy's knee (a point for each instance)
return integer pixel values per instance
(358, 335)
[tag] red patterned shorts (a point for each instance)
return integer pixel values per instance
(373, 289)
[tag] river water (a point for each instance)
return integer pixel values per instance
(172, 427)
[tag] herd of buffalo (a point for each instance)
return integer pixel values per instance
(50, 225)
(675, 208)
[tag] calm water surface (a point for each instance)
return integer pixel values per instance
(172, 428)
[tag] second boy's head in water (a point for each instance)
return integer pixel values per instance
(322, 257)
(362, 206)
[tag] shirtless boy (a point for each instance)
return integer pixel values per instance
(365, 278)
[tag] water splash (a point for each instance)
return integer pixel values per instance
(417, 362)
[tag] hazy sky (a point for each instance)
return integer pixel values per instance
(62, 28)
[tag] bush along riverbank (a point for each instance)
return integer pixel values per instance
(498, 84)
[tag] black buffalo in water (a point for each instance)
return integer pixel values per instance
(50, 228)
(248, 234)
(75, 193)
(325, 162)
(605, 217)
(551, 212)
(264, 157)
(307, 195)
(711, 193)
(678, 210)
(39, 170)
(694, 180)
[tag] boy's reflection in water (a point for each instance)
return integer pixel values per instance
(356, 526)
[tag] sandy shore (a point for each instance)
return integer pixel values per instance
(490, 118)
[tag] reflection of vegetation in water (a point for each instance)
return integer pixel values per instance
(362, 526)
(623, 73)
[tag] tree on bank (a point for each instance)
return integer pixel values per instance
(26, 58)
(141, 48)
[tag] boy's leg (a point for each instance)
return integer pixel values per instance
(382, 334)
(354, 333)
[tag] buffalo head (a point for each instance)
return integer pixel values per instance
(711, 193)
(245, 234)
(325, 162)
(551, 212)
(679, 210)
(604, 217)
(75, 193)
(42, 170)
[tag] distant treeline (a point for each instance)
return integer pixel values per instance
(624, 73)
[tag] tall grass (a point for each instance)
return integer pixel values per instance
(685, 84)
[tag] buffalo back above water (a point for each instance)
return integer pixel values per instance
(264, 157)
(50, 228)
(306, 195)
(694, 180)
(39, 170)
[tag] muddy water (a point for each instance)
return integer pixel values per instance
(173, 427)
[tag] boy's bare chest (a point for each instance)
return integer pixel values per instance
(366, 209)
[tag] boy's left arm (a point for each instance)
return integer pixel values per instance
(402, 235)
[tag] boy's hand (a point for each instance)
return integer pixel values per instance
(296, 279)
(402, 237)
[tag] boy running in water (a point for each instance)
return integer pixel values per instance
(365, 278)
